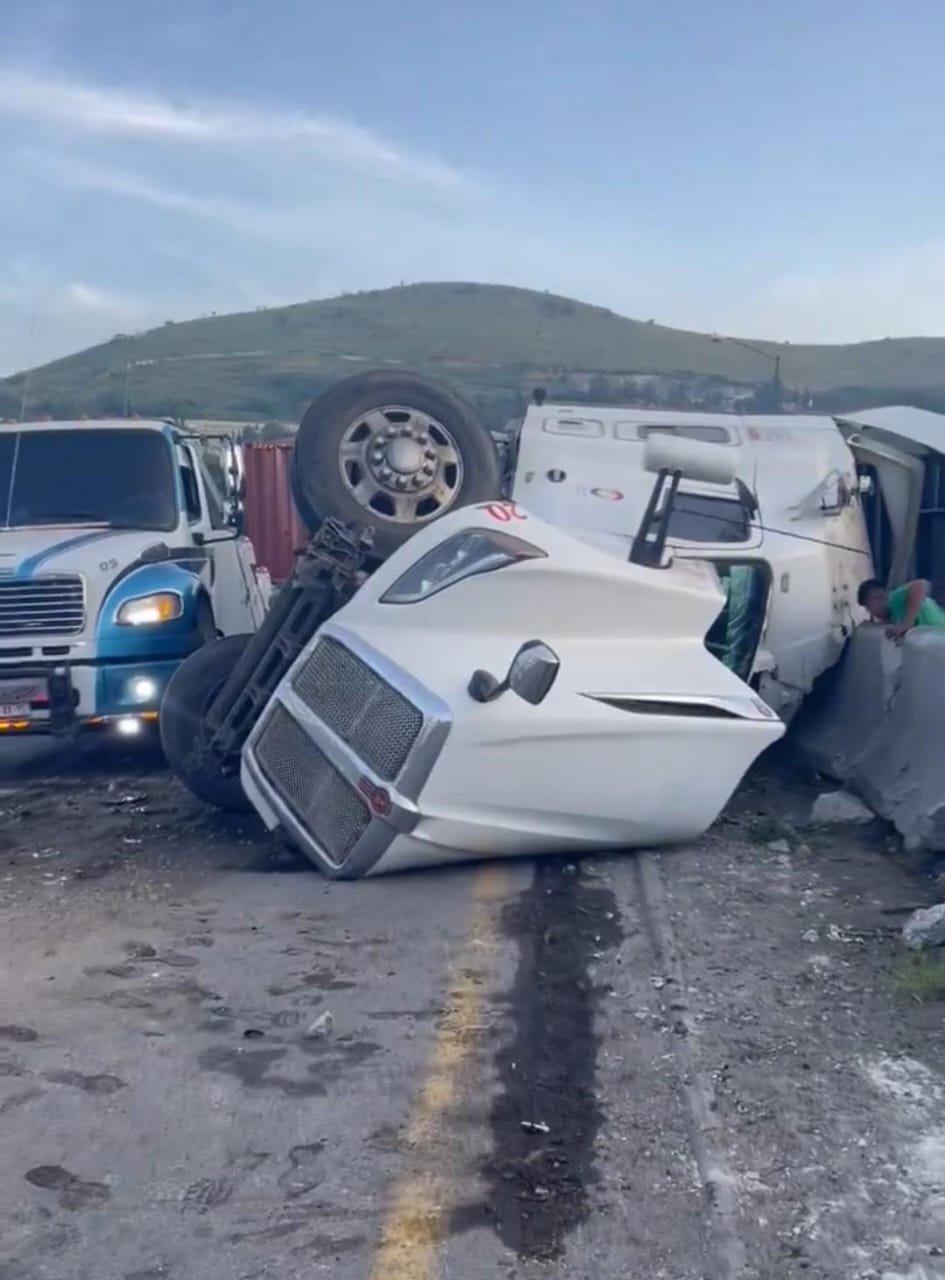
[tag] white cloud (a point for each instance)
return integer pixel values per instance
(42, 318)
(241, 216)
(70, 106)
(81, 296)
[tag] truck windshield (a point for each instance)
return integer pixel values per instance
(699, 517)
(120, 478)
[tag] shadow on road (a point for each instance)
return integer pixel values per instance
(91, 755)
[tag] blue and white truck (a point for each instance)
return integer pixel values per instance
(121, 552)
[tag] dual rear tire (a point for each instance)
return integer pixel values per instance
(393, 452)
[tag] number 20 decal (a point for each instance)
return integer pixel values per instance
(504, 512)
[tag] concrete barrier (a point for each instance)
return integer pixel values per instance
(849, 705)
(900, 773)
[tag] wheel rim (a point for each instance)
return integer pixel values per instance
(400, 465)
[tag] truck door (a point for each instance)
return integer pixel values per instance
(892, 508)
(235, 595)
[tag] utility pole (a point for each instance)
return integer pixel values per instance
(24, 398)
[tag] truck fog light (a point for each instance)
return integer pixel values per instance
(143, 689)
(128, 726)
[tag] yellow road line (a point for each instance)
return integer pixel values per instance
(416, 1216)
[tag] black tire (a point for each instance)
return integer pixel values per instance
(317, 485)
(188, 692)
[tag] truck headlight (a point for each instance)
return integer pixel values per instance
(162, 606)
(461, 556)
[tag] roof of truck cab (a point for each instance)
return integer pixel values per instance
(586, 466)
(680, 417)
(921, 427)
(98, 424)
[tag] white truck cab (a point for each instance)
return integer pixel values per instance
(788, 536)
(120, 553)
(498, 688)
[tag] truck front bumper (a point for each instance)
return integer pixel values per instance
(84, 695)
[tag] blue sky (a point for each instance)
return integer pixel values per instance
(740, 166)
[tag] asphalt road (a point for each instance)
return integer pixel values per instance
(216, 1066)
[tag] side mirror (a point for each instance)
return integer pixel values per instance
(533, 671)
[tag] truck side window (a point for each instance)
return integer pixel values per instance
(216, 507)
(191, 492)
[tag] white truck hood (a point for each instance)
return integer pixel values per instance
(30, 552)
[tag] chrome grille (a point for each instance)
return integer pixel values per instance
(49, 606)
(375, 720)
(332, 811)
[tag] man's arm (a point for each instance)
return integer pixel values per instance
(916, 593)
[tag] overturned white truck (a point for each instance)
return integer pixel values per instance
(586, 652)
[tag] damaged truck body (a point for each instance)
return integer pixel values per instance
(585, 649)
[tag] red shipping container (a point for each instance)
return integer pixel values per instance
(272, 523)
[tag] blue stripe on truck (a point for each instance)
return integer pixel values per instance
(26, 568)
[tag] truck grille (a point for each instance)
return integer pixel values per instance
(52, 606)
(329, 807)
(376, 721)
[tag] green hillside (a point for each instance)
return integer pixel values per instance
(489, 341)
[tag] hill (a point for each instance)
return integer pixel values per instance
(491, 342)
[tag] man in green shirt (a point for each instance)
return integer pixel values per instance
(906, 607)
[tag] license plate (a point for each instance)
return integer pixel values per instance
(17, 695)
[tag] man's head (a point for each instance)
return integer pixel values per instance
(874, 598)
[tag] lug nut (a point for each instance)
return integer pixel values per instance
(401, 482)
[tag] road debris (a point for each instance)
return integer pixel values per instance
(132, 797)
(535, 1126)
(925, 928)
(839, 808)
(322, 1027)
(778, 846)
